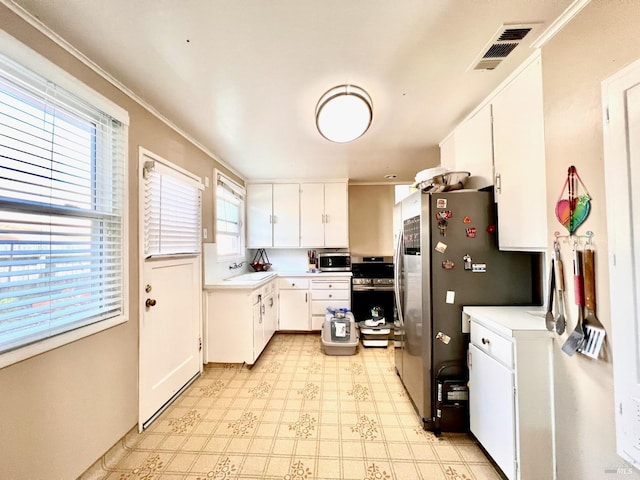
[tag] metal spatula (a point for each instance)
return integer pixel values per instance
(594, 332)
(576, 338)
(560, 320)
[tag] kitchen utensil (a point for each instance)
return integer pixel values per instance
(576, 338)
(549, 318)
(593, 330)
(561, 322)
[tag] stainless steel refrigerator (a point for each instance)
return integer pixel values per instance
(447, 257)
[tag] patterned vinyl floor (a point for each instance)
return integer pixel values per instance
(297, 414)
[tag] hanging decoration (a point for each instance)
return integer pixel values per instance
(573, 210)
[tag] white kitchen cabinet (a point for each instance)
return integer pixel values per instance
(519, 162)
(294, 304)
(240, 322)
(448, 152)
(273, 215)
(510, 389)
(324, 215)
(474, 149)
(334, 292)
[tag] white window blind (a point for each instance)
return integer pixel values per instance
(172, 211)
(229, 216)
(61, 210)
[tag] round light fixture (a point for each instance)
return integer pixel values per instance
(344, 113)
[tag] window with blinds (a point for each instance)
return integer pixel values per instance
(62, 200)
(172, 211)
(229, 217)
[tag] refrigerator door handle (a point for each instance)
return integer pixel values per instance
(396, 275)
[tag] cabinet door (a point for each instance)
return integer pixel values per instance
(518, 145)
(294, 310)
(492, 408)
(448, 152)
(312, 215)
(258, 330)
(336, 208)
(286, 215)
(474, 149)
(259, 215)
(270, 324)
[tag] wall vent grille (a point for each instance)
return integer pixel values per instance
(505, 40)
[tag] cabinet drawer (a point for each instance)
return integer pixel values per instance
(330, 284)
(319, 307)
(330, 295)
(490, 342)
(269, 287)
(293, 283)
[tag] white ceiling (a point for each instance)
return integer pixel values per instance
(242, 77)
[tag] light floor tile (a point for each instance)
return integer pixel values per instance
(297, 413)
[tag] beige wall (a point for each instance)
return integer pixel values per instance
(602, 39)
(371, 219)
(60, 411)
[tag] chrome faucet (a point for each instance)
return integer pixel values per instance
(235, 265)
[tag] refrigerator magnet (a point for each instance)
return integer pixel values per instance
(448, 265)
(441, 203)
(441, 247)
(451, 296)
(471, 232)
(466, 219)
(443, 337)
(467, 261)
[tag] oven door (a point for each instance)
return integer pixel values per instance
(366, 297)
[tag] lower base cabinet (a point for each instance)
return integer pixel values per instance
(240, 323)
(510, 390)
(328, 292)
(294, 304)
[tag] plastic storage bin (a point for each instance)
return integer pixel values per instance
(339, 334)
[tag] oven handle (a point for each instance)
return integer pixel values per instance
(360, 288)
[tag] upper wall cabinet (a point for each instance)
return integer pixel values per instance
(324, 215)
(502, 144)
(519, 162)
(474, 149)
(273, 215)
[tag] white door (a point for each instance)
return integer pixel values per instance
(259, 215)
(169, 332)
(286, 215)
(171, 283)
(621, 98)
(294, 310)
(336, 205)
(492, 409)
(312, 215)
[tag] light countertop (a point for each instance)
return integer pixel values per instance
(509, 320)
(257, 279)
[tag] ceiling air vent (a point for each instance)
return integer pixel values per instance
(506, 39)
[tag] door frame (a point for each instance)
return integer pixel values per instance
(143, 154)
(622, 278)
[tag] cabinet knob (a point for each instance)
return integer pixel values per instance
(485, 341)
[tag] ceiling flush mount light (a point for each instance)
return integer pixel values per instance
(344, 113)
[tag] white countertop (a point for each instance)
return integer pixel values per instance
(257, 279)
(508, 320)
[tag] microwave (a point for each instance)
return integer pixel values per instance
(334, 262)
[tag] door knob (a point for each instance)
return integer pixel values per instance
(150, 302)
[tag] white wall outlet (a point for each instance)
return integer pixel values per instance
(206, 182)
(205, 233)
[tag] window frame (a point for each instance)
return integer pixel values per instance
(240, 255)
(41, 66)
